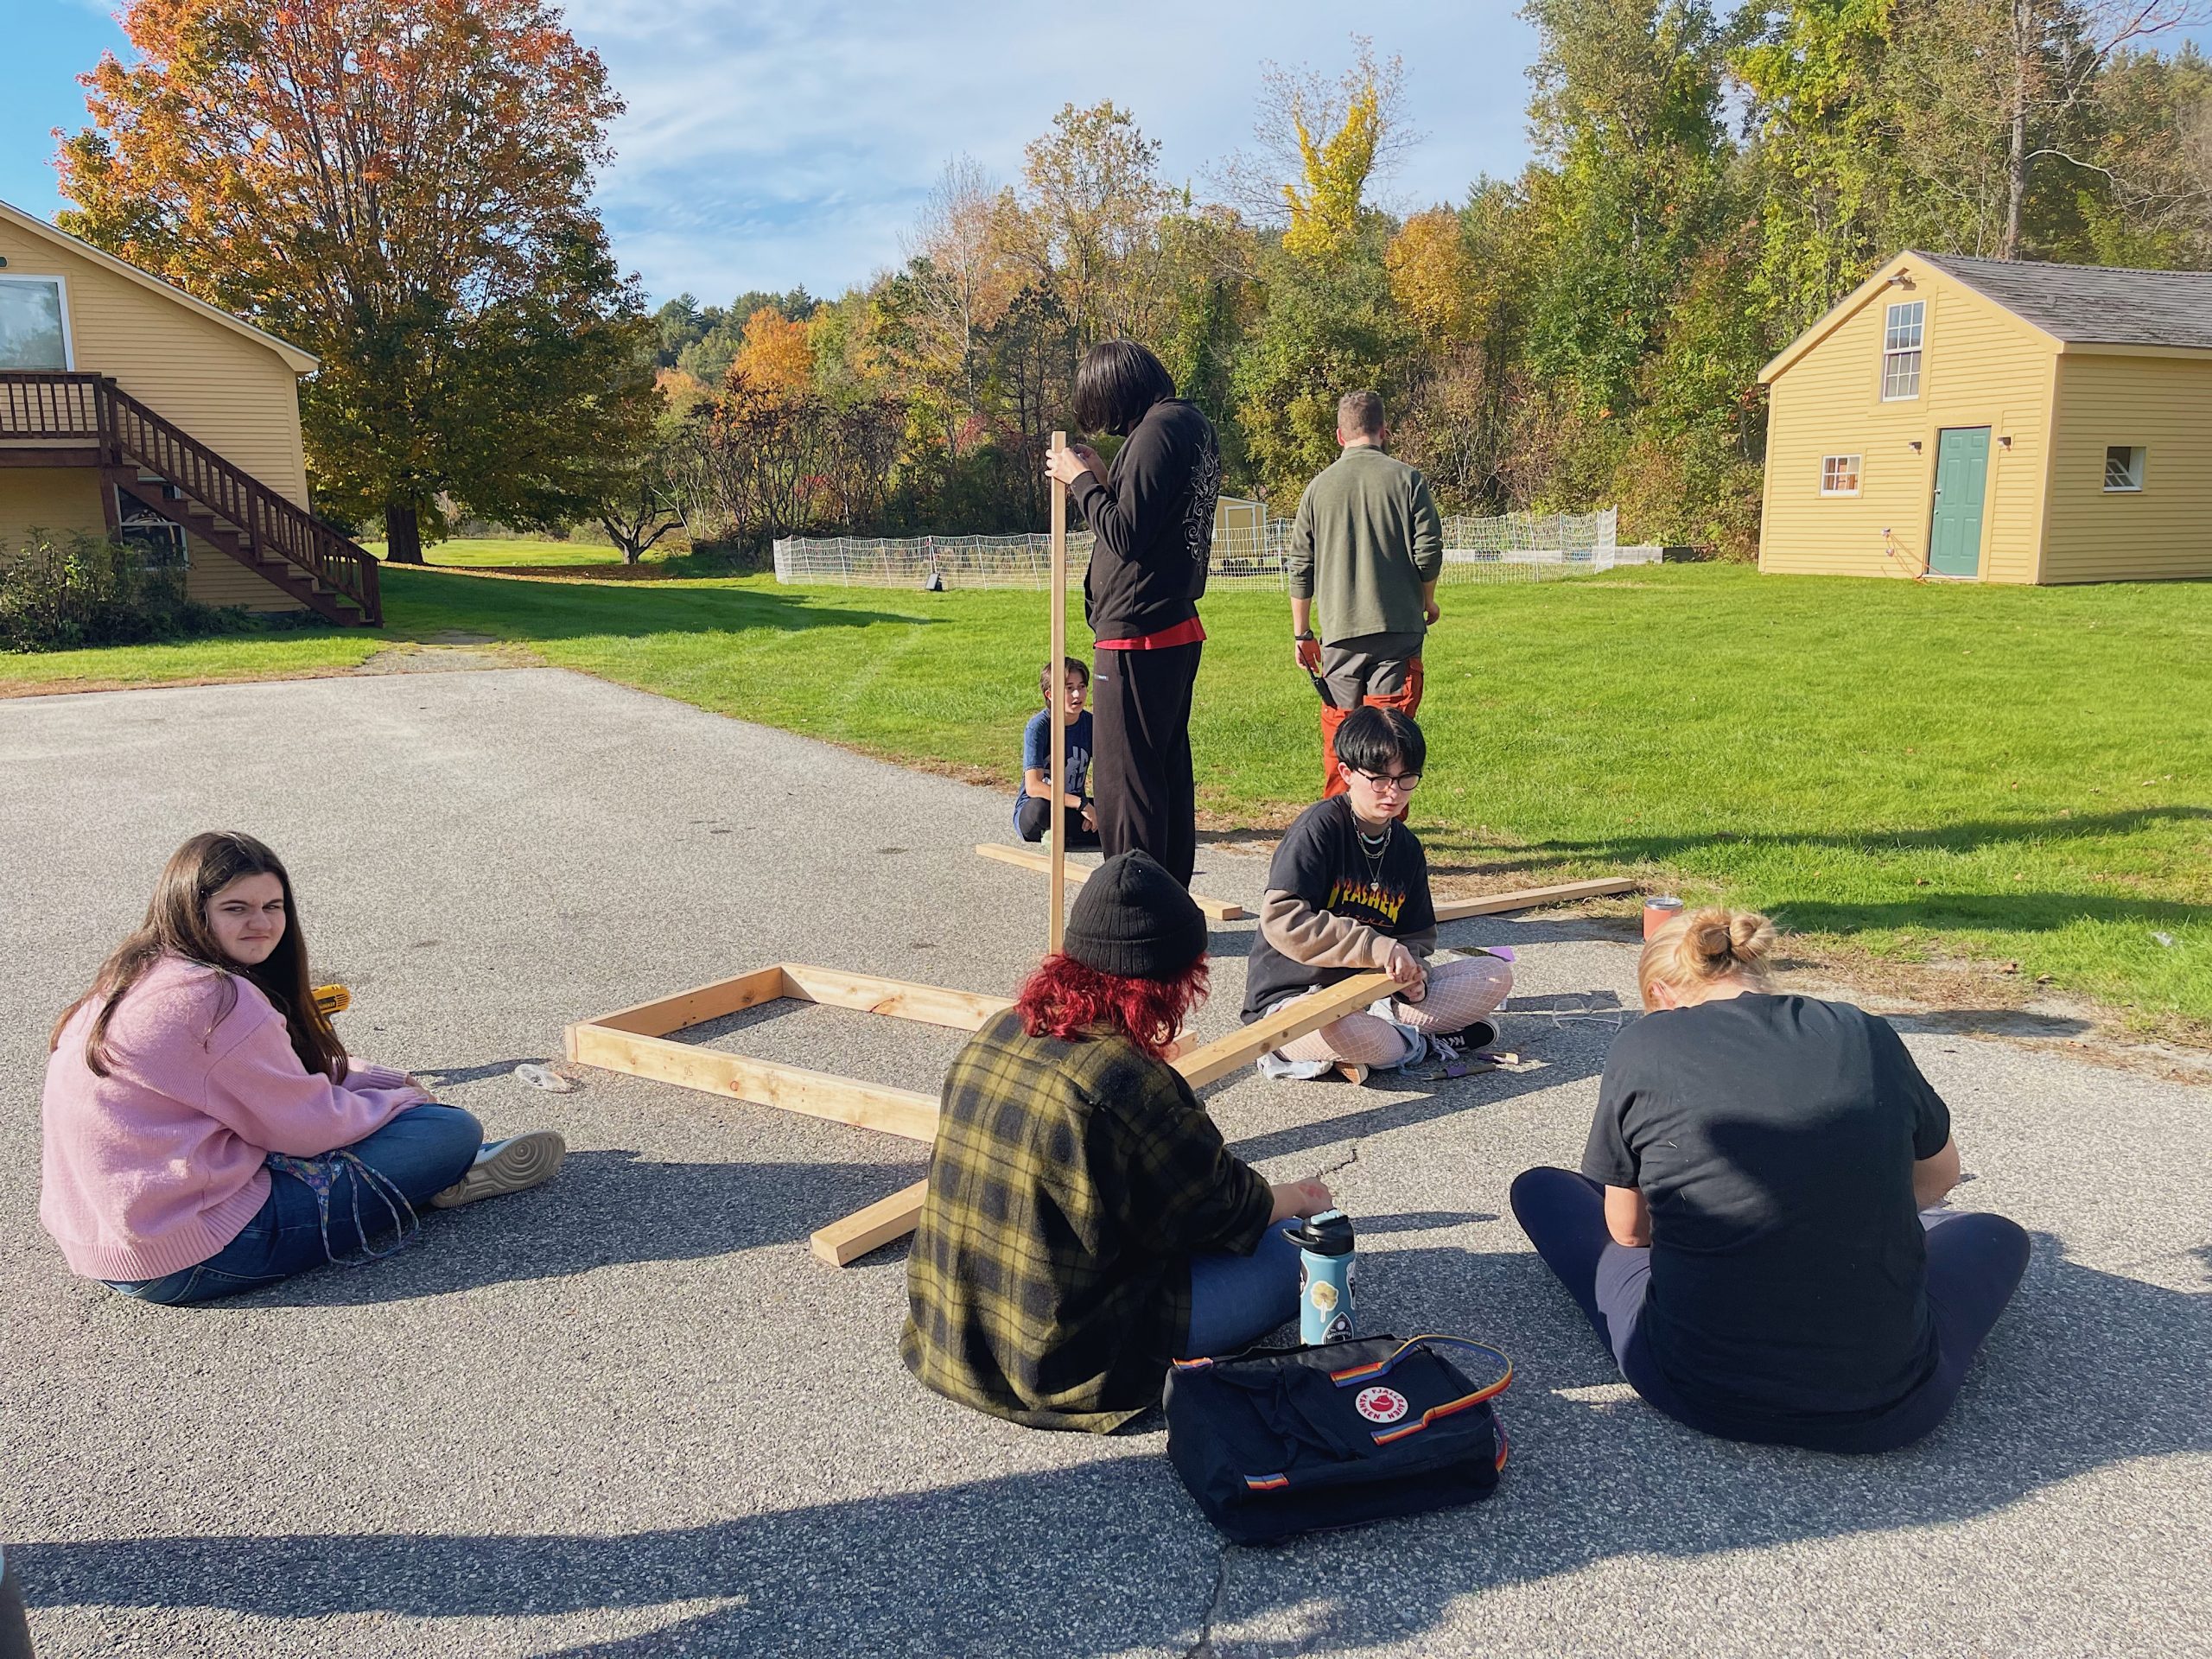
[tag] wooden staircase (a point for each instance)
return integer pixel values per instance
(57, 419)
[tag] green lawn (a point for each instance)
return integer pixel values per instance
(2015, 774)
(520, 551)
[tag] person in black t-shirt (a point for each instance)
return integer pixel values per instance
(1348, 892)
(1752, 1233)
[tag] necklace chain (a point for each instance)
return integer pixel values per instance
(1374, 849)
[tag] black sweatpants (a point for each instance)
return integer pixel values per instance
(1140, 781)
(1033, 821)
(1975, 1264)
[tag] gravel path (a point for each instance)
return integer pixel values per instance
(628, 1414)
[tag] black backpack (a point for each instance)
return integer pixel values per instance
(1276, 1441)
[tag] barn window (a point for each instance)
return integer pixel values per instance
(33, 331)
(1901, 350)
(2123, 468)
(1838, 474)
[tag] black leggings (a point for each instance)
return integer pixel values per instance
(1975, 1264)
(1141, 786)
(1033, 821)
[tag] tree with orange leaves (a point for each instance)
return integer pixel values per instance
(776, 360)
(402, 187)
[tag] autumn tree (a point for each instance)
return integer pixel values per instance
(1319, 142)
(776, 360)
(401, 189)
(1092, 203)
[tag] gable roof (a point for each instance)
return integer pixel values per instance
(2094, 304)
(298, 361)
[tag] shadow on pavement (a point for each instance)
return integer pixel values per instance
(1088, 1561)
(604, 1207)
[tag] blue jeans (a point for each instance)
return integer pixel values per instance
(1975, 1264)
(1237, 1300)
(423, 1151)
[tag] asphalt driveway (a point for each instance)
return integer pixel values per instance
(627, 1414)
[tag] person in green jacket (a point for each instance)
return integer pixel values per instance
(1368, 546)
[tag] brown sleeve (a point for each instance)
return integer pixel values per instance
(1317, 938)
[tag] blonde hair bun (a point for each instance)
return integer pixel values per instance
(1704, 945)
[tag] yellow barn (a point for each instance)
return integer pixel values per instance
(131, 409)
(1999, 421)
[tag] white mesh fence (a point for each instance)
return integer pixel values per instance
(1515, 547)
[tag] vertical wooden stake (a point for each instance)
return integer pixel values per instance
(1056, 917)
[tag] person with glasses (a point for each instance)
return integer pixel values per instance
(1348, 893)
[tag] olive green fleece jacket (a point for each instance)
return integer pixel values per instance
(1366, 539)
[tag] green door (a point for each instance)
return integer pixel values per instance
(1961, 484)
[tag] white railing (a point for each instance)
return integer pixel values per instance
(1515, 547)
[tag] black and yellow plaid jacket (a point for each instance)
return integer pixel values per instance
(1069, 1185)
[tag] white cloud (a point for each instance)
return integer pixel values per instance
(765, 147)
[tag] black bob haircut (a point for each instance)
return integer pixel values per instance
(1371, 738)
(1119, 380)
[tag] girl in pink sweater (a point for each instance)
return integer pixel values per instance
(205, 1132)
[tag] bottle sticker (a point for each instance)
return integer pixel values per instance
(1339, 1329)
(1381, 1405)
(1325, 1295)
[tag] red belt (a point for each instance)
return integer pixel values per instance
(1183, 633)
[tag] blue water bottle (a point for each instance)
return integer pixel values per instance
(1324, 1276)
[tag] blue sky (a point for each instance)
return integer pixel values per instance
(767, 146)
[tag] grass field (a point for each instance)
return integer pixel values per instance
(516, 551)
(2013, 774)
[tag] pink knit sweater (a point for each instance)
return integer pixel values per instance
(158, 1166)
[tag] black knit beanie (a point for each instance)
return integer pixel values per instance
(1134, 920)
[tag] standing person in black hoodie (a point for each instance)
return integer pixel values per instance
(1151, 516)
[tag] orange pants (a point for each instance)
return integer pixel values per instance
(1407, 701)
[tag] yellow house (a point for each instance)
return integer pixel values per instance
(130, 409)
(2008, 422)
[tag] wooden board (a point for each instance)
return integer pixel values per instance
(763, 1082)
(1221, 910)
(885, 1221)
(636, 1042)
(845, 1241)
(1056, 903)
(1497, 904)
(697, 1006)
(931, 1005)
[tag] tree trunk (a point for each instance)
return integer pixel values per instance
(2016, 157)
(403, 534)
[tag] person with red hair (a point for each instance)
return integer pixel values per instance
(1085, 1224)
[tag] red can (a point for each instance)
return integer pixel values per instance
(1657, 913)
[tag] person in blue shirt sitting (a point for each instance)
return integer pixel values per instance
(1033, 810)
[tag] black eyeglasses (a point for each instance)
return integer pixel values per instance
(1405, 782)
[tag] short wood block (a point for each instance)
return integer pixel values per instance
(1220, 909)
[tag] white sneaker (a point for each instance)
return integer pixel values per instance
(514, 1165)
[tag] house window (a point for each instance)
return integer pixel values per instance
(33, 331)
(1901, 350)
(2123, 468)
(1838, 474)
(160, 542)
